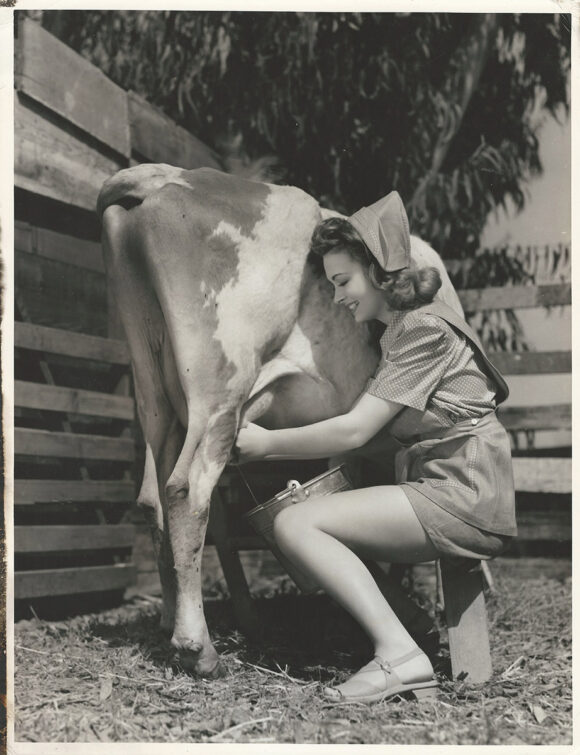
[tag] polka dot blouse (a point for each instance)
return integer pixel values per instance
(426, 363)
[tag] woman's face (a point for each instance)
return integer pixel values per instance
(353, 288)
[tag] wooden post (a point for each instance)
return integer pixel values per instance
(466, 620)
(414, 618)
(232, 566)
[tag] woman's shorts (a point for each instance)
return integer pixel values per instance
(451, 535)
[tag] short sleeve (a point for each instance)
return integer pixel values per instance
(414, 363)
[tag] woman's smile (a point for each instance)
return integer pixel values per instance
(353, 289)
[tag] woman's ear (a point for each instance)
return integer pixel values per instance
(379, 278)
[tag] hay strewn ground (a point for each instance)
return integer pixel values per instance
(108, 677)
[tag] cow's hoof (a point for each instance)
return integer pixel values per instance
(196, 659)
(209, 668)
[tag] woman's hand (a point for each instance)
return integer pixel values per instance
(251, 443)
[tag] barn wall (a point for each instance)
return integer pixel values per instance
(74, 128)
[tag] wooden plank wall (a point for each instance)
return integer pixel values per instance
(545, 475)
(75, 127)
(543, 482)
(66, 475)
(74, 412)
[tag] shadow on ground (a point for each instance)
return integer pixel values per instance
(307, 634)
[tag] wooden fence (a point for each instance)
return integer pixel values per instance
(548, 475)
(74, 411)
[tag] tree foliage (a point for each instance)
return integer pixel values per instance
(439, 106)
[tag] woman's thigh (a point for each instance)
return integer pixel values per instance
(377, 523)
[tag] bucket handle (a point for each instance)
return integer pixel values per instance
(297, 492)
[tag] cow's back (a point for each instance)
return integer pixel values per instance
(220, 257)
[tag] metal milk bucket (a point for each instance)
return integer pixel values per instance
(262, 517)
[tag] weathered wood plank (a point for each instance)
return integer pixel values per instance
(59, 247)
(23, 237)
(67, 313)
(42, 583)
(55, 294)
(72, 445)
(545, 525)
(27, 492)
(72, 400)
(552, 417)
(55, 75)
(53, 163)
(532, 362)
(72, 537)
(67, 343)
(466, 622)
(158, 139)
(515, 297)
(542, 475)
(243, 542)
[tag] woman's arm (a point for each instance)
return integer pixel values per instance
(321, 439)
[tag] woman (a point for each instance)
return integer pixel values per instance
(438, 392)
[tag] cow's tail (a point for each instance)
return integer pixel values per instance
(129, 187)
(119, 189)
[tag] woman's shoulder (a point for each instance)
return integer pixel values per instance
(426, 322)
(413, 329)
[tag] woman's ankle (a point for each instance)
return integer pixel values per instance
(392, 651)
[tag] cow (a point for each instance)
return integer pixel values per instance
(228, 320)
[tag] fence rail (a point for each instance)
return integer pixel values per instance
(515, 297)
(532, 475)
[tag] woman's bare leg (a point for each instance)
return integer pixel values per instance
(327, 537)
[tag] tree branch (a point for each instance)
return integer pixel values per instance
(466, 68)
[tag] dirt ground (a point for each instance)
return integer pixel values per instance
(110, 677)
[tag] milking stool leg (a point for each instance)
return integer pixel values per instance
(466, 619)
(242, 603)
(414, 618)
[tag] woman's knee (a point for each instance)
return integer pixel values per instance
(288, 526)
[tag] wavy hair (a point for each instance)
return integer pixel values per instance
(404, 289)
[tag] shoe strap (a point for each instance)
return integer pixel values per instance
(387, 665)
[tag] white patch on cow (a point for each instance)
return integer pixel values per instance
(296, 358)
(208, 479)
(326, 214)
(262, 297)
(227, 229)
(424, 255)
(151, 177)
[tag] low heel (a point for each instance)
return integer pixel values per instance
(426, 693)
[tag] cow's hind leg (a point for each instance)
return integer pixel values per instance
(188, 491)
(145, 329)
(158, 466)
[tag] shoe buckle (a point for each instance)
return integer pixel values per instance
(386, 666)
